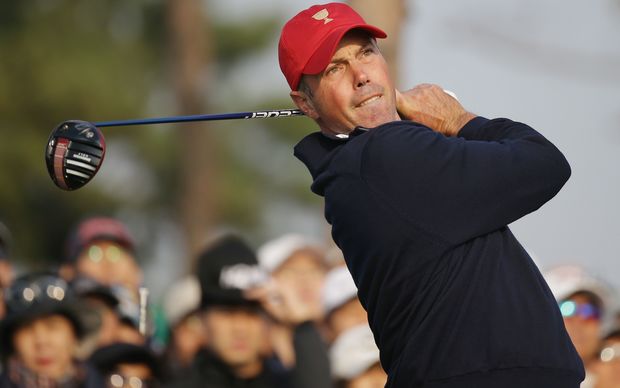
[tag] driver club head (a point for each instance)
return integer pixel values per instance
(74, 153)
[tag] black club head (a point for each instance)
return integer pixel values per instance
(74, 153)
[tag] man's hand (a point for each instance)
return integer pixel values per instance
(430, 105)
(281, 303)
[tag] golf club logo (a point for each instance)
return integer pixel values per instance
(322, 15)
(273, 114)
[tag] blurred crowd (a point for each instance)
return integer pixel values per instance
(283, 315)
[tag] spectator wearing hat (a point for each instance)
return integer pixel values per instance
(586, 303)
(102, 299)
(40, 334)
(103, 249)
(6, 269)
(182, 311)
(236, 326)
(342, 307)
(297, 268)
(354, 358)
(607, 367)
(127, 365)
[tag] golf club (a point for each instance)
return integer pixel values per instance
(76, 148)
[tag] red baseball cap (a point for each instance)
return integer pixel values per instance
(309, 39)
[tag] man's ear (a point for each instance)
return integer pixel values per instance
(304, 103)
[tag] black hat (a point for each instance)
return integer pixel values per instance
(226, 268)
(37, 295)
(106, 359)
(87, 287)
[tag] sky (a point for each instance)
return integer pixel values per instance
(552, 64)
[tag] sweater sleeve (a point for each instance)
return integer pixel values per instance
(457, 188)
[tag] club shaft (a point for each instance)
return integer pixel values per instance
(223, 116)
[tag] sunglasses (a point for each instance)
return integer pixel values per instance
(587, 311)
(33, 290)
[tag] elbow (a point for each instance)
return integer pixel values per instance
(560, 172)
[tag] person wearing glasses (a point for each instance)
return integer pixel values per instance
(40, 334)
(102, 248)
(586, 304)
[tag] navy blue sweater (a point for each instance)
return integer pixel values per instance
(452, 298)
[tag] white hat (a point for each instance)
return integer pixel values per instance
(275, 252)
(182, 298)
(353, 352)
(338, 289)
(566, 280)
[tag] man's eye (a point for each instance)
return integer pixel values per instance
(332, 70)
(368, 51)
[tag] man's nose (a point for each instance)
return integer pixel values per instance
(360, 75)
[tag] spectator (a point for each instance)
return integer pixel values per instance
(6, 269)
(41, 332)
(181, 308)
(103, 249)
(235, 327)
(607, 367)
(355, 362)
(129, 312)
(127, 365)
(101, 298)
(586, 304)
(297, 267)
(342, 307)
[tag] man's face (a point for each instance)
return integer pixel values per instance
(584, 331)
(110, 263)
(354, 90)
(46, 345)
(302, 276)
(235, 334)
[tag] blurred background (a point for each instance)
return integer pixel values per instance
(552, 64)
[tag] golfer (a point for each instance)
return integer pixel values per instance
(419, 193)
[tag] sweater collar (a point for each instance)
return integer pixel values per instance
(316, 149)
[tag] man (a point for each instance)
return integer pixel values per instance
(236, 326)
(297, 267)
(587, 306)
(420, 209)
(607, 367)
(127, 365)
(40, 335)
(181, 308)
(102, 248)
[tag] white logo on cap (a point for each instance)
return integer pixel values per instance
(242, 276)
(322, 15)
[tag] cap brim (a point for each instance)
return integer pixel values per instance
(85, 320)
(323, 54)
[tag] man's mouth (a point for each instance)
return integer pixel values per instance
(369, 100)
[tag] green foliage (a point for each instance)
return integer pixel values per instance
(101, 60)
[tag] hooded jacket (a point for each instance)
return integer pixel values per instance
(452, 298)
